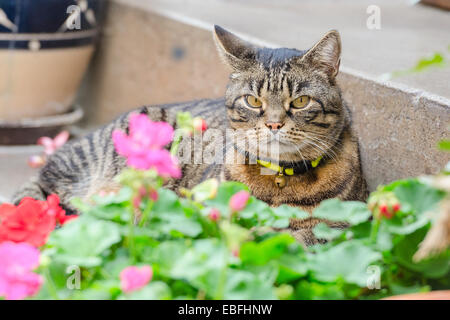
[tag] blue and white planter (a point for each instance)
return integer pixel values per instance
(45, 48)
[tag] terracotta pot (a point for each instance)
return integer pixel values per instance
(433, 295)
(45, 48)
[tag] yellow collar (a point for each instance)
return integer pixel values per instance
(284, 170)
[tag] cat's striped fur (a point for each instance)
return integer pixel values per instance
(276, 77)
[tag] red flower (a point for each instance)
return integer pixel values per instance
(31, 221)
(27, 222)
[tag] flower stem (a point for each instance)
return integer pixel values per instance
(131, 243)
(146, 213)
(374, 231)
(222, 279)
(50, 285)
(176, 143)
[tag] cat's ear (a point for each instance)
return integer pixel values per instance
(237, 53)
(326, 54)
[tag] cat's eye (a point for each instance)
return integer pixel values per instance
(253, 102)
(300, 102)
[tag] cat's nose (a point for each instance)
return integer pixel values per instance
(274, 126)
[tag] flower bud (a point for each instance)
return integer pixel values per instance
(142, 191)
(214, 214)
(384, 211)
(36, 161)
(153, 195)
(137, 202)
(396, 207)
(199, 124)
(239, 200)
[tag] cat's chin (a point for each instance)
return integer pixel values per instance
(283, 152)
(280, 147)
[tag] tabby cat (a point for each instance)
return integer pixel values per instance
(275, 97)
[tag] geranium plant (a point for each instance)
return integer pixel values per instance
(216, 242)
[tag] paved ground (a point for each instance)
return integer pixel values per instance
(408, 31)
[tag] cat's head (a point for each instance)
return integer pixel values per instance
(284, 97)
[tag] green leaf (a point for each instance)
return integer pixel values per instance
(285, 211)
(417, 197)
(99, 290)
(280, 217)
(200, 264)
(244, 285)
(398, 289)
(256, 209)
(405, 249)
(225, 192)
(263, 252)
(155, 290)
(169, 215)
(291, 266)
(205, 190)
(444, 145)
(179, 223)
(161, 257)
(384, 239)
(115, 266)
(436, 60)
(81, 242)
(353, 212)
(323, 231)
(406, 225)
(307, 290)
(167, 203)
(348, 260)
(124, 195)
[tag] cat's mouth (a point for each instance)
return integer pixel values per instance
(282, 141)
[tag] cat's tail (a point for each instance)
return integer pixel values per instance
(31, 189)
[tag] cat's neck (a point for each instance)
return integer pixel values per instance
(307, 190)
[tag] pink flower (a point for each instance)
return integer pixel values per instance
(133, 278)
(51, 145)
(143, 147)
(16, 262)
(239, 200)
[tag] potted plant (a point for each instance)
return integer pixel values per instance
(45, 48)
